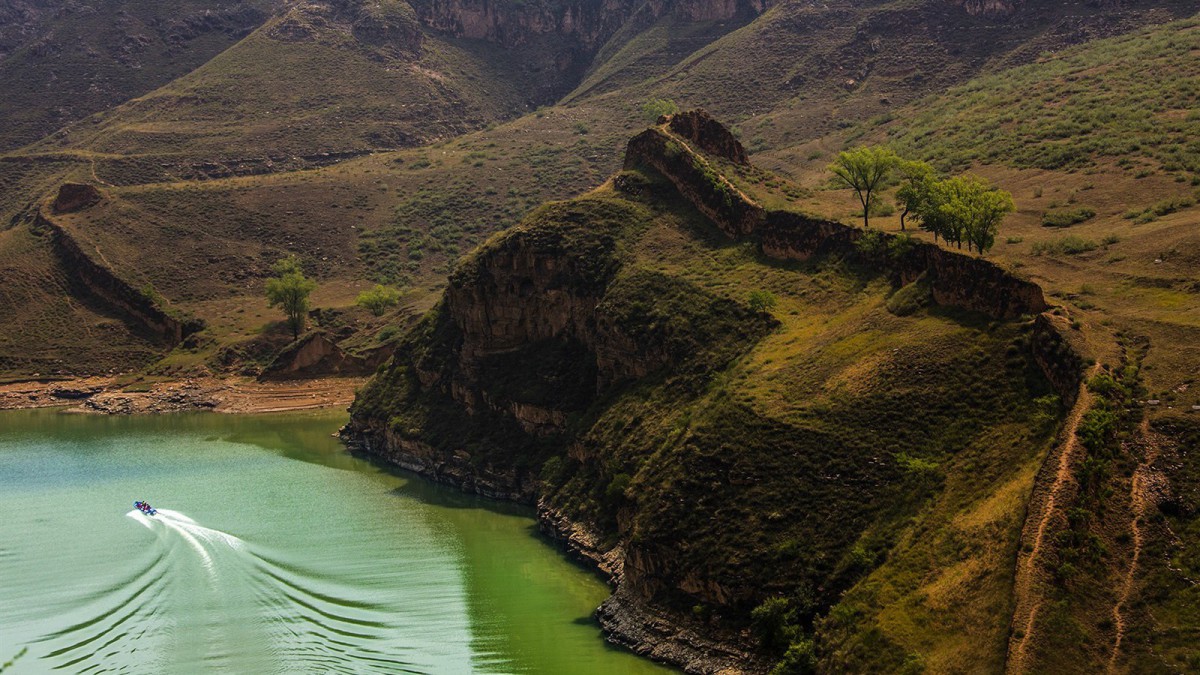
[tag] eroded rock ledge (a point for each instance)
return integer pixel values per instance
(99, 281)
(956, 280)
(631, 623)
(539, 295)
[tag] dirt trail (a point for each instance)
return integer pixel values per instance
(1139, 505)
(700, 156)
(1027, 576)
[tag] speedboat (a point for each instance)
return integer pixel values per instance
(145, 508)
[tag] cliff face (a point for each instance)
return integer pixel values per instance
(957, 280)
(589, 23)
(705, 456)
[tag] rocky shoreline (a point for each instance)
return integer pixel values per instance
(625, 619)
(235, 395)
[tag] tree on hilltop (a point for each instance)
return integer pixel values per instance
(916, 194)
(974, 210)
(864, 169)
(289, 290)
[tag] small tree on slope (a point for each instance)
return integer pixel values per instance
(864, 169)
(289, 290)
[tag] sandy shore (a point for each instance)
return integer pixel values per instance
(239, 395)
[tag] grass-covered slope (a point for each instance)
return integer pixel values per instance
(307, 82)
(825, 447)
(1129, 100)
(48, 327)
(60, 62)
(1110, 231)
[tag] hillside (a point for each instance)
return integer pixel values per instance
(1124, 261)
(342, 82)
(60, 62)
(716, 456)
(784, 440)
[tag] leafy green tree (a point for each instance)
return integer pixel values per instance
(917, 191)
(974, 210)
(762, 301)
(289, 290)
(655, 108)
(865, 170)
(378, 299)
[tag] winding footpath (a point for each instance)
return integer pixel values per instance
(1030, 572)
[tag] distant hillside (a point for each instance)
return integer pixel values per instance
(1131, 101)
(61, 61)
(426, 119)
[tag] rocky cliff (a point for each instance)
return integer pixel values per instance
(599, 360)
(687, 149)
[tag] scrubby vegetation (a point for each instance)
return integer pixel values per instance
(1067, 217)
(378, 300)
(1127, 98)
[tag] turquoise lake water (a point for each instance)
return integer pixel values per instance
(275, 551)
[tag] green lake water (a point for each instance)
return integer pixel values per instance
(275, 551)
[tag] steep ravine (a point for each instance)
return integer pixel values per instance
(569, 366)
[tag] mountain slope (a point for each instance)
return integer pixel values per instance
(599, 357)
(60, 62)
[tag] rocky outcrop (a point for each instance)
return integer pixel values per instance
(455, 469)
(589, 23)
(707, 134)
(382, 24)
(312, 355)
(97, 280)
(1058, 360)
(956, 280)
(697, 180)
(994, 8)
(74, 197)
(631, 623)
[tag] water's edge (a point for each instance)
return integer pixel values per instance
(625, 619)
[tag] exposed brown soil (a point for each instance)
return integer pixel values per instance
(1030, 571)
(238, 395)
(1146, 483)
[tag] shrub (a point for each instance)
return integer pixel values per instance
(799, 659)
(1107, 386)
(762, 301)
(1097, 428)
(378, 299)
(387, 333)
(872, 244)
(1069, 245)
(908, 299)
(617, 487)
(1159, 209)
(772, 623)
(655, 108)
(1067, 218)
